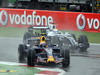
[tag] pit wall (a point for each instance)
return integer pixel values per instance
(76, 21)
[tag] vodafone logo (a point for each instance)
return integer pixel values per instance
(25, 18)
(3, 17)
(31, 19)
(81, 21)
(92, 23)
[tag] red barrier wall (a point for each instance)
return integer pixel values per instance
(64, 20)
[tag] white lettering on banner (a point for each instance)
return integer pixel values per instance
(92, 23)
(12, 16)
(50, 21)
(38, 20)
(17, 19)
(96, 24)
(3, 14)
(30, 19)
(24, 19)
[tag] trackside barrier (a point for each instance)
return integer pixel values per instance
(64, 20)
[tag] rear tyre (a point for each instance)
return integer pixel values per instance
(83, 41)
(27, 35)
(31, 58)
(66, 56)
(21, 51)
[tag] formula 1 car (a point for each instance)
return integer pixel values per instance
(70, 39)
(42, 51)
(81, 43)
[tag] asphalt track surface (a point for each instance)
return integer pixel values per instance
(82, 63)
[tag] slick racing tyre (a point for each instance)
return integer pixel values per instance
(83, 42)
(27, 35)
(66, 56)
(31, 57)
(21, 51)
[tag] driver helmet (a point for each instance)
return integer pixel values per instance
(55, 30)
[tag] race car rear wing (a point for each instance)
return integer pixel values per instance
(37, 39)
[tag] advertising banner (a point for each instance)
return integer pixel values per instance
(64, 20)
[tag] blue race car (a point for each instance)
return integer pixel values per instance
(42, 51)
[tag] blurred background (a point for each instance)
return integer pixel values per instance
(56, 5)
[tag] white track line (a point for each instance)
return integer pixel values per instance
(11, 63)
(94, 44)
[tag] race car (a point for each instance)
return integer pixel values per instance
(81, 43)
(42, 51)
(75, 44)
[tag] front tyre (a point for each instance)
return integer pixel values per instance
(26, 36)
(66, 56)
(21, 51)
(31, 57)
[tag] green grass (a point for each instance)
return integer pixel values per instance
(19, 70)
(19, 32)
(12, 32)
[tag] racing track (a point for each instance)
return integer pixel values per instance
(87, 63)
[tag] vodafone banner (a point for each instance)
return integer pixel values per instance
(64, 20)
